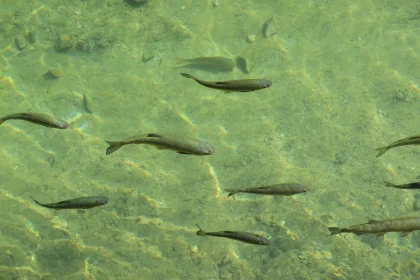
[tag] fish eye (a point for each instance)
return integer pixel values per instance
(63, 124)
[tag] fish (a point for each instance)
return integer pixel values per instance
(237, 235)
(211, 63)
(76, 203)
(37, 118)
(181, 145)
(415, 185)
(234, 85)
(278, 189)
(403, 225)
(413, 140)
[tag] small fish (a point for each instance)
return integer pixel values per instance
(77, 203)
(413, 140)
(237, 235)
(402, 225)
(415, 185)
(234, 85)
(181, 145)
(212, 63)
(37, 118)
(278, 189)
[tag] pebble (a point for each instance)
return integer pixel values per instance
(55, 72)
(270, 28)
(20, 41)
(250, 38)
(63, 43)
(84, 46)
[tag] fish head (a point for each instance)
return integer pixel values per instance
(62, 124)
(265, 242)
(206, 149)
(102, 200)
(264, 83)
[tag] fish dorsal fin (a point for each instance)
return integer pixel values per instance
(373, 222)
(153, 135)
(388, 184)
(222, 83)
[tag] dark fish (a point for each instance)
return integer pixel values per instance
(413, 140)
(278, 189)
(415, 185)
(234, 85)
(37, 118)
(237, 235)
(402, 225)
(77, 203)
(211, 63)
(181, 145)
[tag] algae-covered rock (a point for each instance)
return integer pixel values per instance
(63, 43)
(20, 42)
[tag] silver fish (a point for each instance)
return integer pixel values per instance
(77, 203)
(412, 140)
(181, 145)
(234, 85)
(415, 185)
(237, 235)
(402, 225)
(37, 118)
(278, 189)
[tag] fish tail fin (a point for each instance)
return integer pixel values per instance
(179, 60)
(36, 201)
(381, 151)
(200, 231)
(188, 76)
(113, 146)
(231, 192)
(334, 230)
(388, 184)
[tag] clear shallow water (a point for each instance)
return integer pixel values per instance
(344, 83)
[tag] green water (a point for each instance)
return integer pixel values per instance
(345, 81)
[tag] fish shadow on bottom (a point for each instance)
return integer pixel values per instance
(207, 68)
